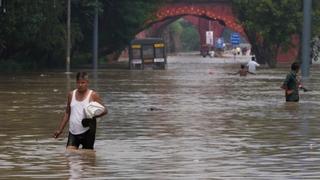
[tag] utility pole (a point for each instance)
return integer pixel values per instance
(68, 37)
(3, 6)
(306, 33)
(95, 38)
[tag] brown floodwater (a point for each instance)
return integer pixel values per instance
(191, 121)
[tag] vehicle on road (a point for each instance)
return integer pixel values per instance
(148, 52)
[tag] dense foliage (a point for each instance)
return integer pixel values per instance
(121, 21)
(189, 37)
(315, 18)
(269, 25)
(315, 43)
(33, 32)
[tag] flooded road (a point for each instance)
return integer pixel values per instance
(191, 121)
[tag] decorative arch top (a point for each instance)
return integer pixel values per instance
(214, 11)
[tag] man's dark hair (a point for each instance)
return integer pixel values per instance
(82, 75)
(253, 58)
(295, 66)
(242, 66)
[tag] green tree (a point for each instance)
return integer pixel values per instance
(33, 32)
(121, 21)
(315, 42)
(175, 30)
(189, 37)
(315, 18)
(31, 29)
(269, 25)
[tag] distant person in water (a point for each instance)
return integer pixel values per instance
(291, 84)
(243, 71)
(252, 64)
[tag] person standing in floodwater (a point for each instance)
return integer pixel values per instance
(252, 64)
(243, 71)
(78, 100)
(291, 84)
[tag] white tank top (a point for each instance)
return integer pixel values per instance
(77, 113)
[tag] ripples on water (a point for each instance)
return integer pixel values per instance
(205, 124)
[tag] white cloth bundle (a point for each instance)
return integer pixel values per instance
(94, 109)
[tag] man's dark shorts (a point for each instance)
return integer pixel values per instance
(85, 139)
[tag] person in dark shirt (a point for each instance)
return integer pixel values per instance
(291, 84)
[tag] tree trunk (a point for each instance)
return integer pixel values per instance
(255, 49)
(262, 50)
(269, 54)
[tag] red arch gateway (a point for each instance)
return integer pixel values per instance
(220, 11)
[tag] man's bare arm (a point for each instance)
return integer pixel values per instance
(65, 118)
(95, 97)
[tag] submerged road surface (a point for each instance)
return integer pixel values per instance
(191, 121)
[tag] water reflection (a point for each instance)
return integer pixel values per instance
(203, 126)
(80, 164)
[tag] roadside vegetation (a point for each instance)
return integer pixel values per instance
(33, 32)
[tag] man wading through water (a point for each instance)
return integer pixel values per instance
(291, 84)
(81, 128)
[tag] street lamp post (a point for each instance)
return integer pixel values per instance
(3, 6)
(305, 67)
(95, 38)
(95, 45)
(68, 37)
